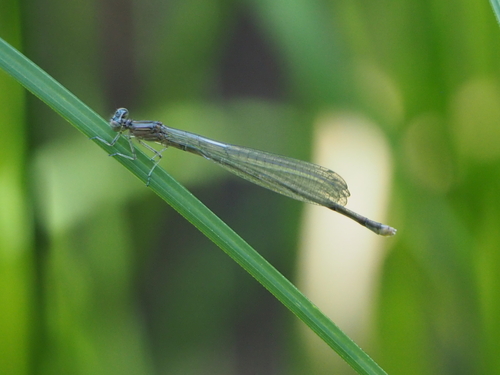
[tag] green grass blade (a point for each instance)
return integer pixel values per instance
(91, 124)
(496, 8)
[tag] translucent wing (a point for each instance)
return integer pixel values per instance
(294, 178)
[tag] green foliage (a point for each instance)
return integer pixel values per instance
(89, 123)
(98, 275)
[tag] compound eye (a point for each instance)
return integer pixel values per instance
(121, 114)
(119, 118)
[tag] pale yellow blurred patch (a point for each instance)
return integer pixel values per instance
(379, 93)
(427, 157)
(339, 259)
(475, 112)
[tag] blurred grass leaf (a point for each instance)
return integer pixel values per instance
(91, 124)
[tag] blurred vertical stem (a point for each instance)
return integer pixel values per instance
(15, 228)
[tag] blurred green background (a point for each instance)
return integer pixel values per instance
(98, 275)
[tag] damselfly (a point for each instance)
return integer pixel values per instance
(294, 178)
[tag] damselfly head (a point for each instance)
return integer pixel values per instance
(119, 120)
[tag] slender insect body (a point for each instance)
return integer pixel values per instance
(296, 179)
